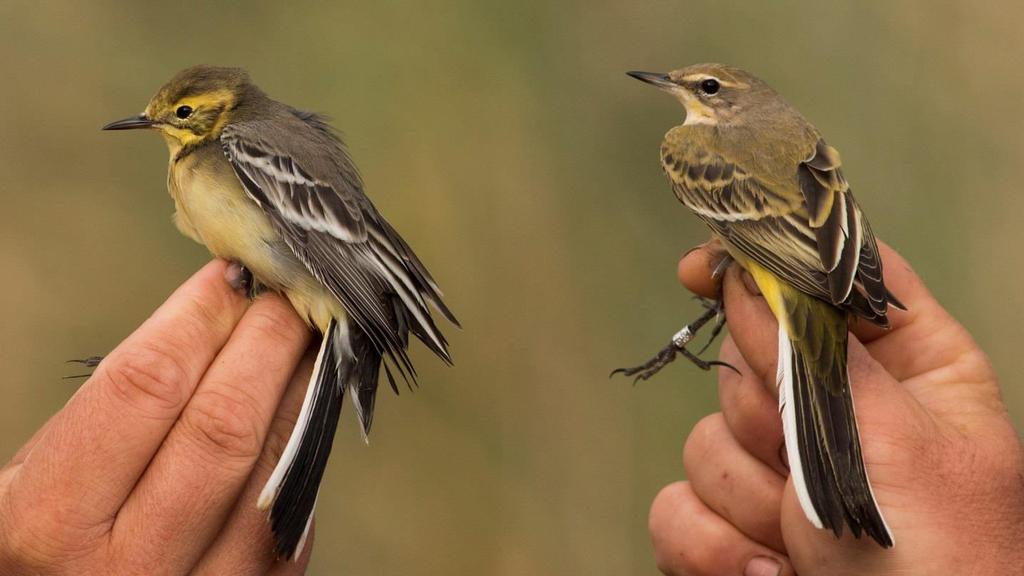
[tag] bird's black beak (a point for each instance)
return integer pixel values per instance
(130, 123)
(656, 78)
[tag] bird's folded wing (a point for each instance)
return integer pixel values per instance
(810, 234)
(318, 207)
(846, 243)
(763, 222)
(279, 183)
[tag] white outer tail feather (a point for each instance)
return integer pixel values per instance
(785, 383)
(342, 349)
(273, 485)
(784, 380)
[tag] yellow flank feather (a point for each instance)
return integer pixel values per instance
(815, 328)
(774, 290)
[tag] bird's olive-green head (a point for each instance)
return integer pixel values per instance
(194, 106)
(714, 94)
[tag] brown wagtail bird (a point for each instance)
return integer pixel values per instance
(272, 189)
(771, 190)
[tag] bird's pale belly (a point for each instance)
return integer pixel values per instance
(213, 209)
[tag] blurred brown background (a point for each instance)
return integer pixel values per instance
(504, 141)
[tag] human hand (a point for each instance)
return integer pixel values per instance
(155, 464)
(944, 461)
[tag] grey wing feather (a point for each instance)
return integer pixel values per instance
(304, 200)
(318, 206)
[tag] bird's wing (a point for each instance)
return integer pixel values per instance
(814, 238)
(318, 206)
(752, 216)
(846, 244)
(834, 217)
(277, 181)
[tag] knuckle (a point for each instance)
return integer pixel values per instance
(974, 365)
(207, 308)
(149, 378)
(273, 447)
(225, 426)
(36, 544)
(280, 430)
(270, 324)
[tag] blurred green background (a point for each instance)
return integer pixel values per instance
(504, 141)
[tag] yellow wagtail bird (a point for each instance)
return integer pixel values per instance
(272, 189)
(770, 188)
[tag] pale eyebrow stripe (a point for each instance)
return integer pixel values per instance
(727, 83)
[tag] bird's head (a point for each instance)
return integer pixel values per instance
(713, 94)
(194, 106)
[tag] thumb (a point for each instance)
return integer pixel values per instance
(929, 352)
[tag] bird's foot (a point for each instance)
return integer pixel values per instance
(718, 307)
(718, 273)
(651, 367)
(240, 278)
(678, 346)
(90, 362)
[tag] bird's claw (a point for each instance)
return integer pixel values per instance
(240, 278)
(651, 367)
(719, 308)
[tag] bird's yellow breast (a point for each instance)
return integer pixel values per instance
(213, 209)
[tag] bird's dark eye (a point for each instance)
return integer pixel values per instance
(709, 86)
(186, 111)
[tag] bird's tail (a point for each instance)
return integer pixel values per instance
(345, 360)
(820, 426)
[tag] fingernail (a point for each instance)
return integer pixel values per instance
(748, 281)
(763, 566)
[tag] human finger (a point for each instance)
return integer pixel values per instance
(689, 538)
(733, 483)
(696, 269)
(246, 545)
(186, 494)
(100, 443)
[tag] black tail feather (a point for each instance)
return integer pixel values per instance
(297, 491)
(364, 376)
(829, 446)
(342, 363)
